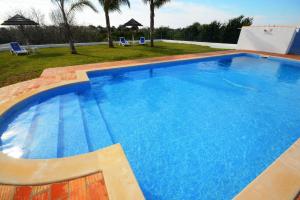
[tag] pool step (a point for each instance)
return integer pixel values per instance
(62, 126)
(66, 125)
(96, 130)
(108, 129)
(72, 138)
(13, 143)
(43, 138)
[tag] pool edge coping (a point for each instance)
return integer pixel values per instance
(81, 77)
(120, 180)
(281, 175)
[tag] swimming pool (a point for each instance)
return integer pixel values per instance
(197, 129)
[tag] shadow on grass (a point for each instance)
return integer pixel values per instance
(164, 50)
(45, 55)
(22, 76)
(90, 56)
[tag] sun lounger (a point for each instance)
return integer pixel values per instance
(15, 48)
(123, 41)
(142, 41)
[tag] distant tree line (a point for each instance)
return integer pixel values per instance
(214, 32)
(64, 14)
(55, 34)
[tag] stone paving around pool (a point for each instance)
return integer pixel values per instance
(55, 75)
(281, 180)
(120, 182)
(90, 187)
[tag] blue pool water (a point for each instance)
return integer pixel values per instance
(200, 129)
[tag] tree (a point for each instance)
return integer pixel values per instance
(111, 6)
(192, 32)
(232, 29)
(211, 32)
(154, 4)
(66, 13)
(37, 16)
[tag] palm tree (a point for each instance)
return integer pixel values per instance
(66, 13)
(154, 4)
(110, 6)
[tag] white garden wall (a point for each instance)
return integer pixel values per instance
(209, 44)
(295, 47)
(267, 38)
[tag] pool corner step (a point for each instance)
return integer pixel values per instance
(96, 128)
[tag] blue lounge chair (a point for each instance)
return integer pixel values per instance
(16, 49)
(142, 41)
(123, 41)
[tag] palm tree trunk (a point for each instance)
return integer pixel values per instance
(110, 42)
(70, 38)
(152, 23)
(68, 34)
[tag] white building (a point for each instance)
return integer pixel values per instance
(274, 39)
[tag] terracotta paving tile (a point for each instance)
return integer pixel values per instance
(7, 192)
(41, 196)
(39, 189)
(23, 193)
(97, 191)
(59, 190)
(77, 189)
(96, 187)
(91, 187)
(76, 184)
(297, 196)
(94, 178)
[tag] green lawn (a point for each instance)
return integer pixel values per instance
(19, 68)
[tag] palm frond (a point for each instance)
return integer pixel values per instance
(125, 2)
(80, 4)
(113, 5)
(59, 3)
(159, 3)
(146, 1)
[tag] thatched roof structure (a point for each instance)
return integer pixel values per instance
(18, 20)
(133, 23)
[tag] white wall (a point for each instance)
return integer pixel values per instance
(6, 47)
(268, 39)
(210, 44)
(295, 48)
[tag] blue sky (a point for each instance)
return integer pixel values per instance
(178, 13)
(272, 11)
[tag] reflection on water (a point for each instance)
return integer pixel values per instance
(14, 151)
(225, 63)
(151, 72)
(288, 73)
(119, 77)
